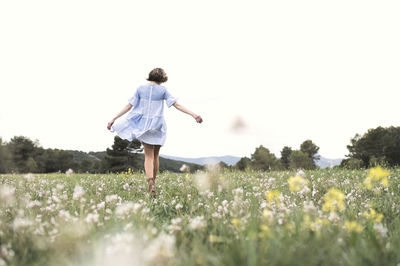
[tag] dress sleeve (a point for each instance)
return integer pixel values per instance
(169, 98)
(134, 100)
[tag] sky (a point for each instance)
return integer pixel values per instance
(271, 73)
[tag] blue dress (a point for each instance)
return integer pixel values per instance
(145, 121)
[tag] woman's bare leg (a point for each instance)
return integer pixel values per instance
(149, 160)
(156, 160)
(149, 167)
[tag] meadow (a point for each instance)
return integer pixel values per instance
(319, 217)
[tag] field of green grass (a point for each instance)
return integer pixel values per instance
(321, 217)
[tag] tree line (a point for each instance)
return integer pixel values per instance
(263, 159)
(378, 146)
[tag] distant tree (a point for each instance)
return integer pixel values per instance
(300, 160)
(21, 149)
(5, 159)
(310, 149)
(376, 146)
(123, 155)
(86, 165)
(351, 163)
(243, 163)
(223, 165)
(285, 154)
(263, 159)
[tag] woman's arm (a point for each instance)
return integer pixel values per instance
(187, 111)
(123, 111)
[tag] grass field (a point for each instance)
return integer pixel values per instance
(321, 217)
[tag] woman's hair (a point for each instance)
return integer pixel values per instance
(157, 75)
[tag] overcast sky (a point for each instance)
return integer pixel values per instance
(270, 73)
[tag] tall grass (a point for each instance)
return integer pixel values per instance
(207, 218)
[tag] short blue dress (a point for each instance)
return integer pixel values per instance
(145, 121)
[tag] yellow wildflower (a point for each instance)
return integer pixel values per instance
(334, 201)
(215, 239)
(316, 225)
(267, 215)
(273, 195)
(353, 226)
(375, 177)
(236, 222)
(373, 216)
(297, 183)
(265, 231)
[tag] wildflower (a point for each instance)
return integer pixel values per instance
(237, 223)
(178, 206)
(21, 223)
(273, 195)
(297, 183)
(380, 229)
(111, 198)
(197, 223)
(375, 177)
(29, 177)
(215, 239)
(7, 193)
(184, 168)
(301, 173)
(127, 208)
(318, 224)
(160, 250)
(65, 215)
(33, 204)
(373, 216)
(334, 201)
(92, 218)
(69, 172)
(78, 193)
(265, 231)
(353, 226)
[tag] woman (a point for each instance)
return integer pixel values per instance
(145, 121)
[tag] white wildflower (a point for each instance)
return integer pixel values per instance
(127, 208)
(92, 218)
(21, 223)
(178, 206)
(197, 223)
(69, 172)
(33, 204)
(111, 198)
(160, 250)
(380, 229)
(29, 177)
(202, 181)
(78, 193)
(184, 168)
(301, 173)
(65, 215)
(7, 194)
(101, 205)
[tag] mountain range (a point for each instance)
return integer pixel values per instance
(232, 160)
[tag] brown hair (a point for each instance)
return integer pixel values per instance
(157, 75)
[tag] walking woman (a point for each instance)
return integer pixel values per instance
(146, 122)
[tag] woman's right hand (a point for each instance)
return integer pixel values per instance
(110, 124)
(198, 118)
